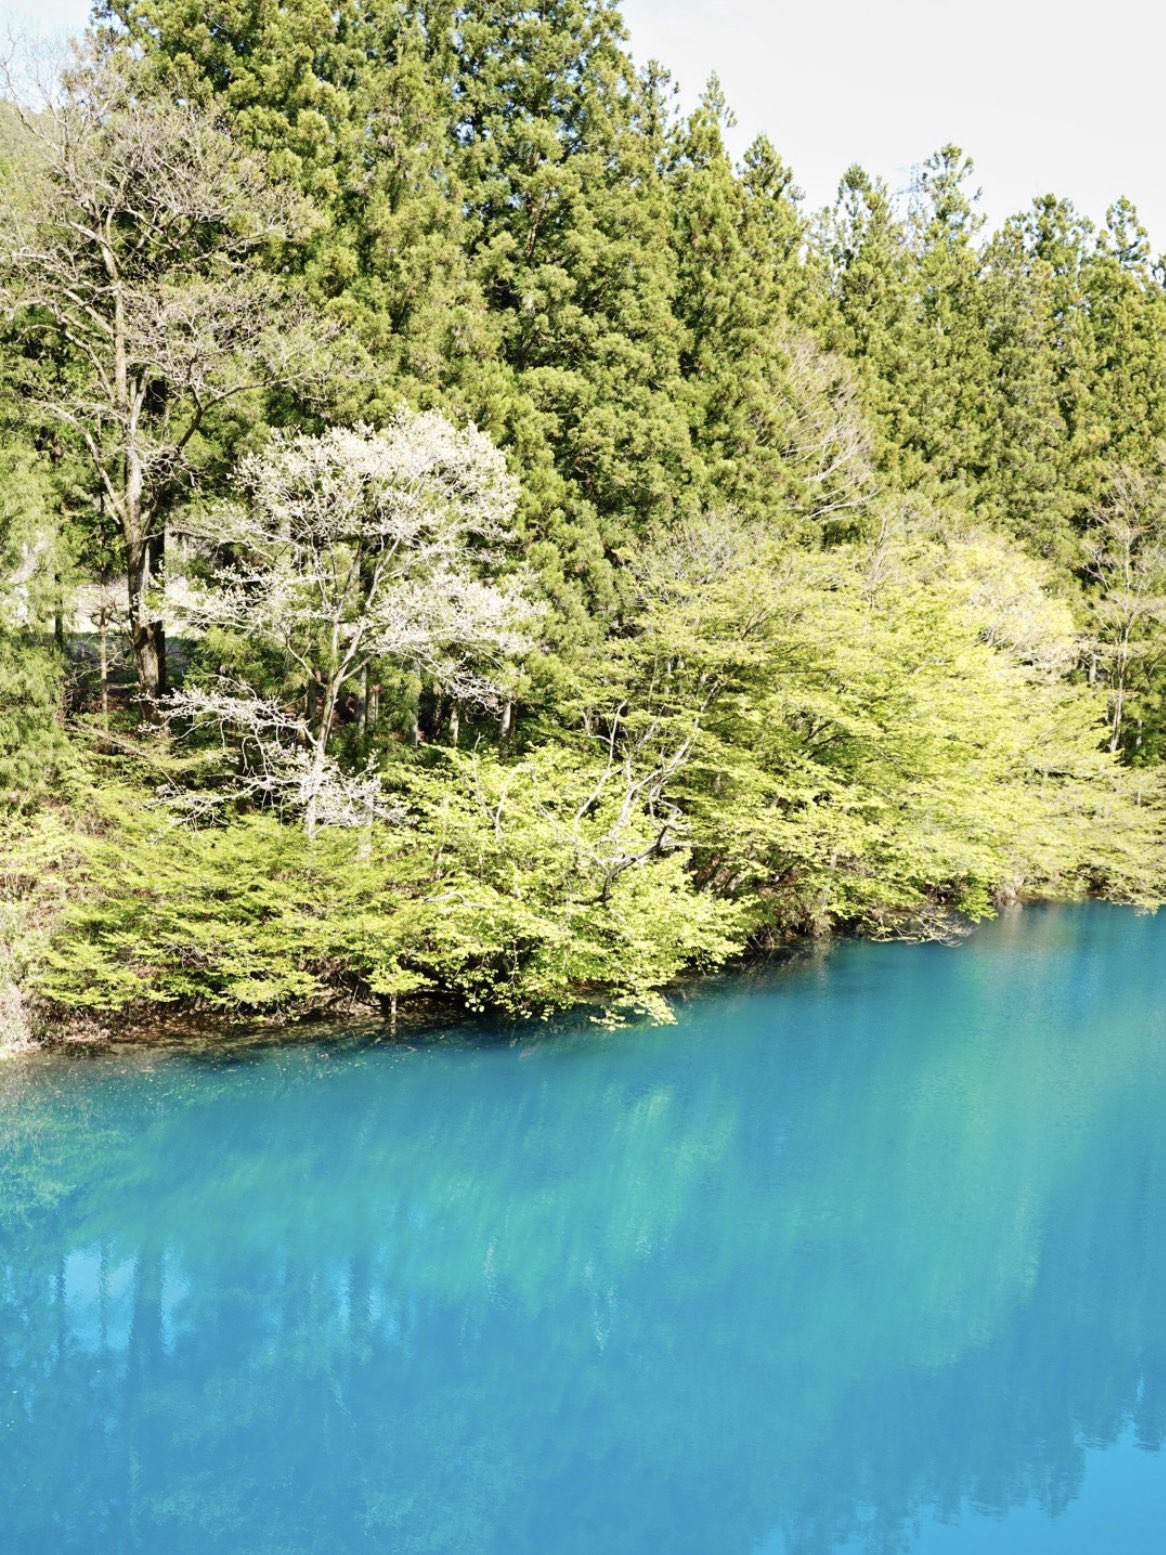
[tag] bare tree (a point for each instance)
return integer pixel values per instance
(352, 548)
(129, 260)
(825, 441)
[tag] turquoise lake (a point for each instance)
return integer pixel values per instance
(866, 1253)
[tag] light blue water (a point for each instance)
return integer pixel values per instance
(864, 1255)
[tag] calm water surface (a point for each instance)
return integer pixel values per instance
(866, 1254)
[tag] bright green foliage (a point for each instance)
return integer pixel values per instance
(877, 732)
(495, 891)
(550, 878)
(30, 744)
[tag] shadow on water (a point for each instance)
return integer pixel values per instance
(857, 1245)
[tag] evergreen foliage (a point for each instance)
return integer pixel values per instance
(32, 747)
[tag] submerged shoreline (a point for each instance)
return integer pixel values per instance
(86, 1031)
(81, 1031)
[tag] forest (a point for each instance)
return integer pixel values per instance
(465, 536)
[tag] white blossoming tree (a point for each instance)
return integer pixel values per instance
(351, 549)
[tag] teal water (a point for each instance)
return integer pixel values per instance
(866, 1254)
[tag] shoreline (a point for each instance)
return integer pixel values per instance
(48, 1029)
(82, 1033)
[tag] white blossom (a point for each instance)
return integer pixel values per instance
(350, 549)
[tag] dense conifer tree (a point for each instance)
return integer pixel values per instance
(1022, 484)
(351, 104)
(869, 265)
(772, 419)
(568, 238)
(951, 365)
(1127, 313)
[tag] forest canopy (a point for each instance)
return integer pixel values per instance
(463, 534)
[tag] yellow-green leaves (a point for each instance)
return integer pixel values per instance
(875, 730)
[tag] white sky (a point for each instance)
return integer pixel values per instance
(1045, 94)
(43, 18)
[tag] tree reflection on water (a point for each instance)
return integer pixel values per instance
(852, 1245)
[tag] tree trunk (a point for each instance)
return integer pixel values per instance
(150, 651)
(59, 615)
(103, 655)
(329, 692)
(148, 637)
(1116, 720)
(312, 812)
